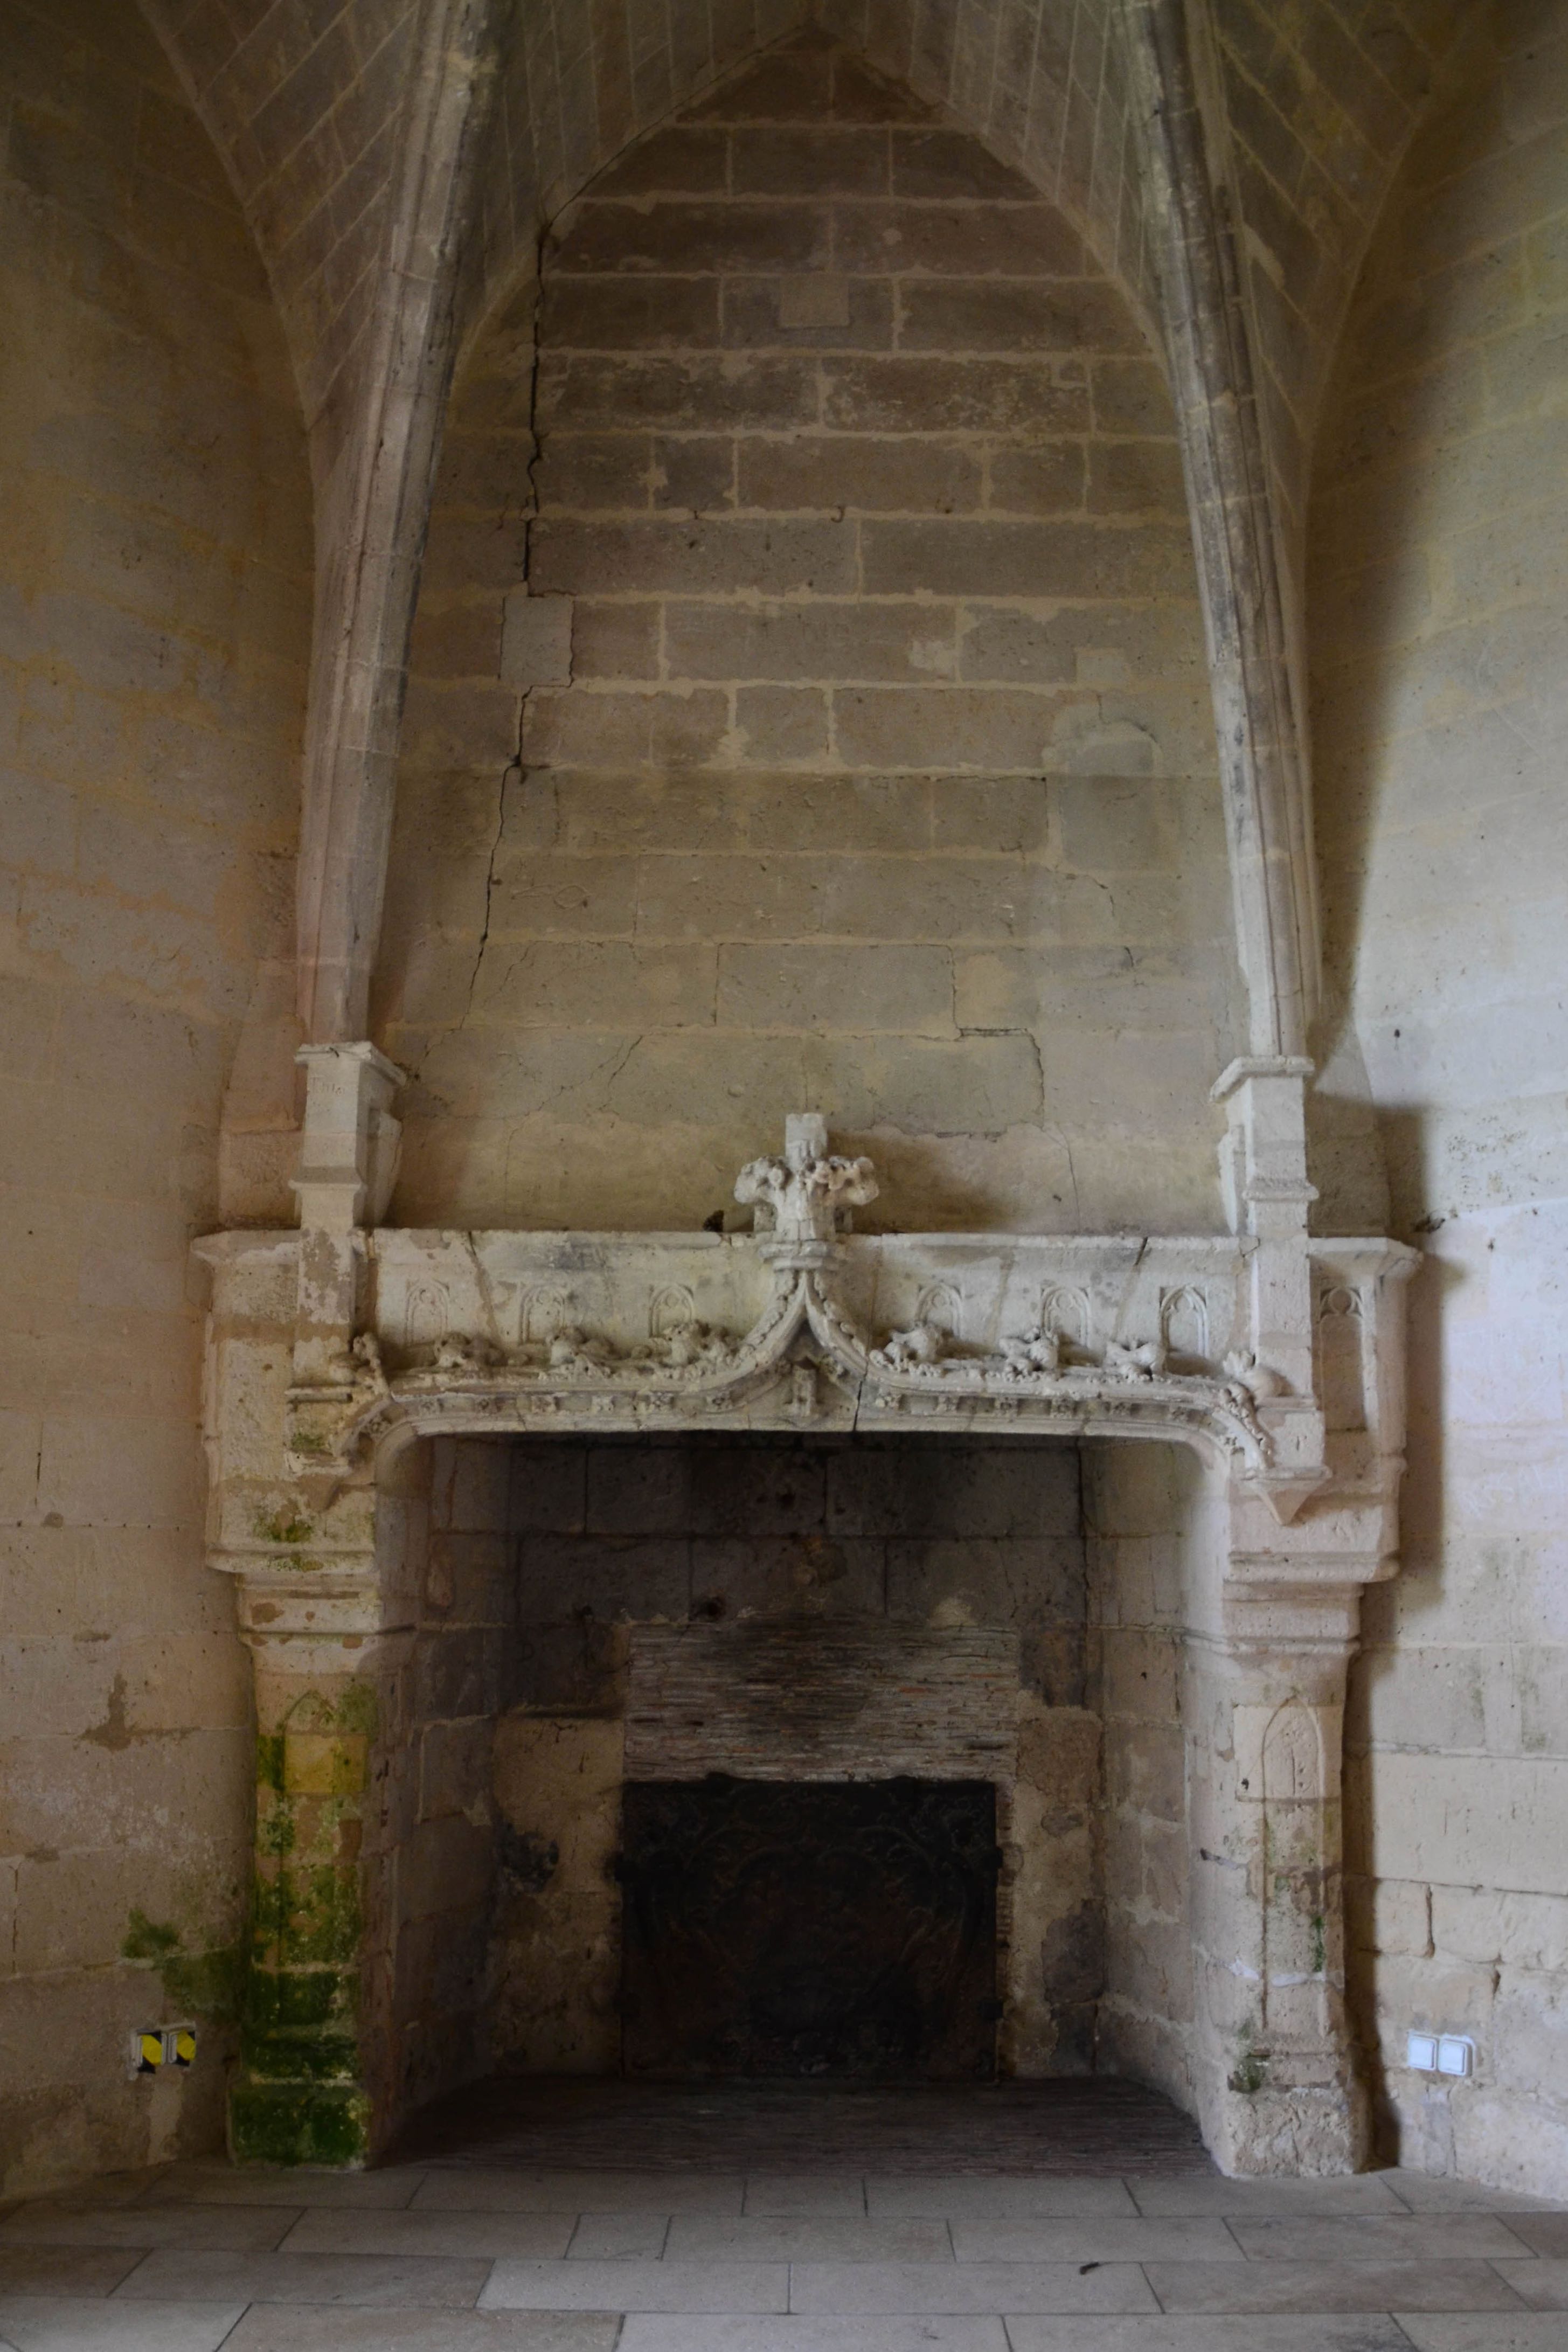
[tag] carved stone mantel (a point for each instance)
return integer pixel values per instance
(1276, 1357)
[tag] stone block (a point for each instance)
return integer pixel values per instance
(846, 159)
(994, 817)
(986, 1084)
(761, 393)
(816, 313)
(1131, 397)
(1064, 558)
(454, 1760)
(706, 558)
(449, 1676)
(821, 301)
(851, 472)
(1401, 1918)
(536, 640)
(624, 730)
(558, 1784)
(964, 240)
(924, 393)
(774, 723)
(576, 1668)
(843, 989)
(933, 163)
(694, 238)
(1024, 1581)
(1141, 1672)
(1046, 479)
(791, 85)
(784, 1576)
(586, 472)
(1146, 1770)
(548, 1489)
(745, 897)
(837, 812)
(598, 984)
(681, 159)
(1006, 726)
(612, 1579)
(1471, 1821)
(618, 313)
(819, 639)
(639, 1490)
(444, 1868)
(457, 640)
(1525, 1932)
(476, 1495)
(954, 314)
(757, 1491)
(1127, 477)
(613, 640)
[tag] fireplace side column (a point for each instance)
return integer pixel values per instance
(1263, 1701)
(329, 1623)
(1272, 1615)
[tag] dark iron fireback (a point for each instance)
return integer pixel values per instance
(814, 1928)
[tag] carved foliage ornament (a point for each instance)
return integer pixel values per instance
(804, 1338)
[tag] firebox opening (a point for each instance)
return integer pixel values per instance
(850, 1757)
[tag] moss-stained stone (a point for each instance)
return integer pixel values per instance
(205, 1984)
(301, 2099)
(275, 2122)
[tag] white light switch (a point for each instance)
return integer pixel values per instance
(1421, 2051)
(1456, 2054)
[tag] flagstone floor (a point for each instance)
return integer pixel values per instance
(467, 2250)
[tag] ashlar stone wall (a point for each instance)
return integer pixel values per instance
(1438, 610)
(154, 606)
(809, 703)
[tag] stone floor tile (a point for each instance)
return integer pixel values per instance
(650, 2332)
(1499, 2331)
(1427, 2192)
(475, 2188)
(232, 2229)
(1316, 2288)
(1542, 2284)
(296, 2184)
(842, 2194)
(302, 2327)
(61, 2269)
(33, 2324)
(306, 2278)
(1002, 2199)
(112, 2188)
(853, 2288)
(638, 2287)
(1114, 2241)
(1353, 2192)
(1282, 2332)
(802, 2238)
(1377, 2238)
(1543, 2233)
(616, 2238)
(481, 2236)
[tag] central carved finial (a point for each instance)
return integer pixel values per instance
(804, 1196)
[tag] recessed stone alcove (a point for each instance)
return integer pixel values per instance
(796, 1610)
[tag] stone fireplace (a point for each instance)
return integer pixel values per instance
(540, 1536)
